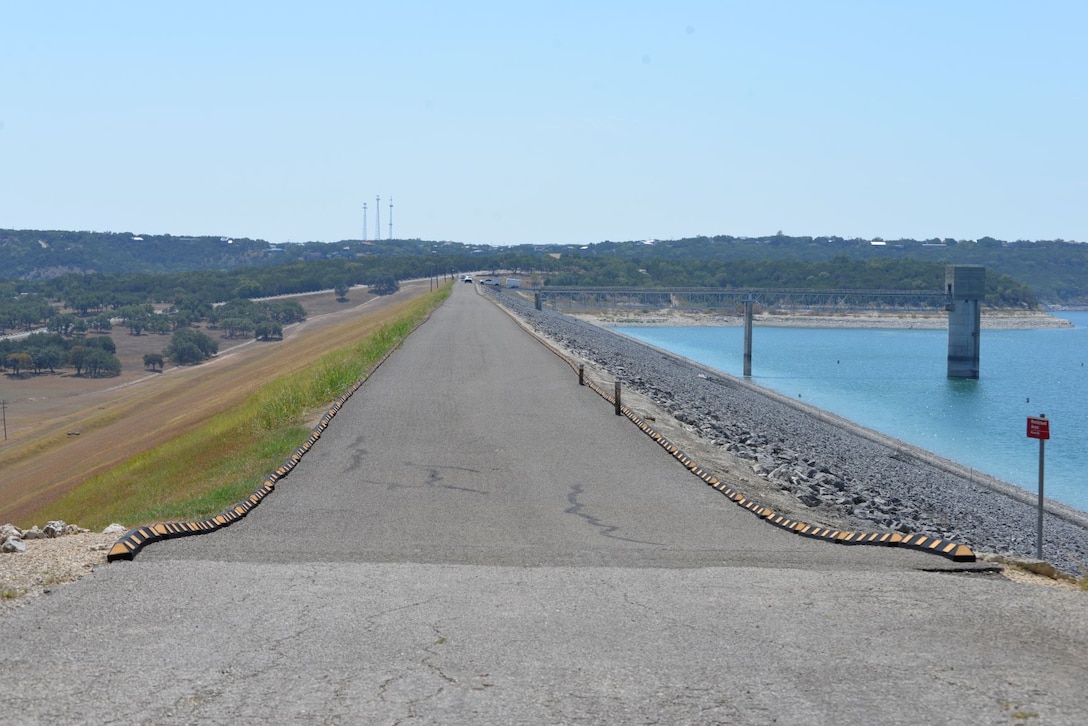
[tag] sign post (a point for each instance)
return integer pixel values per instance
(1039, 428)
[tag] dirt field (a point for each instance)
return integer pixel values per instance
(62, 429)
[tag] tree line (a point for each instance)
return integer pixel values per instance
(75, 339)
(93, 357)
(1055, 270)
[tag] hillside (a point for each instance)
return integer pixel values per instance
(1056, 271)
(39, 254)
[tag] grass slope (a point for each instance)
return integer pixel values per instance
(217, 457)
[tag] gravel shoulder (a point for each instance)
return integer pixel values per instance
(48, 564)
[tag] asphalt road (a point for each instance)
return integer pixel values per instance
(477, 539)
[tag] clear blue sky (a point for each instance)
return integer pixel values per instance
(546, 122)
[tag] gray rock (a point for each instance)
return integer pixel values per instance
(56, 528)
(13, 544)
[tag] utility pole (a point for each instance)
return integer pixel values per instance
(390, 217)
(364, 221)
(378, 220)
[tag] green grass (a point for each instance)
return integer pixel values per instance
(217, 465)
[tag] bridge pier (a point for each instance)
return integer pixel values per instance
(966, 288)
(748, 305)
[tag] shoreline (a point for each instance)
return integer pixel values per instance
(1027, 320)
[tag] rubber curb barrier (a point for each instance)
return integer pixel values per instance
(134, 540)
(945, 548)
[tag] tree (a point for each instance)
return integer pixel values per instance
(285, 311)
(104, 342)
(159, 324)
(184, 353)
(341, 290)
(153, 361)
(82, 302)
(101, 364)
(62, 323)
(385, 285)
(77, 357)
(182, 319)
(268, 330)
(189, 347)
(50, 357)
(247, 288)
(136, 317)
(101, 323)
(237, 327)
(18, 362)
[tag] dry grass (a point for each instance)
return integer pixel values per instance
(43, 464)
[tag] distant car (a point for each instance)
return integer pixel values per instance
(489, 281)
(467, 278)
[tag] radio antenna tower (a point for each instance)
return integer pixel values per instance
(390, 217)
(378, 218)
(364, 221)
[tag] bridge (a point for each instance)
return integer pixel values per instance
(726, 299)
(961, 298)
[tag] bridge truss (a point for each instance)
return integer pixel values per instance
(698, 299)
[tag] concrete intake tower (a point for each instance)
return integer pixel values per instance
(966, 288)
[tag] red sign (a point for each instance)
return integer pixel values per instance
(1038, 428)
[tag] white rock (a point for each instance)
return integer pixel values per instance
(55, 528)
(115, 528)
(13, 544)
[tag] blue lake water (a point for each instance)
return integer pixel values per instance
(894, 381)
